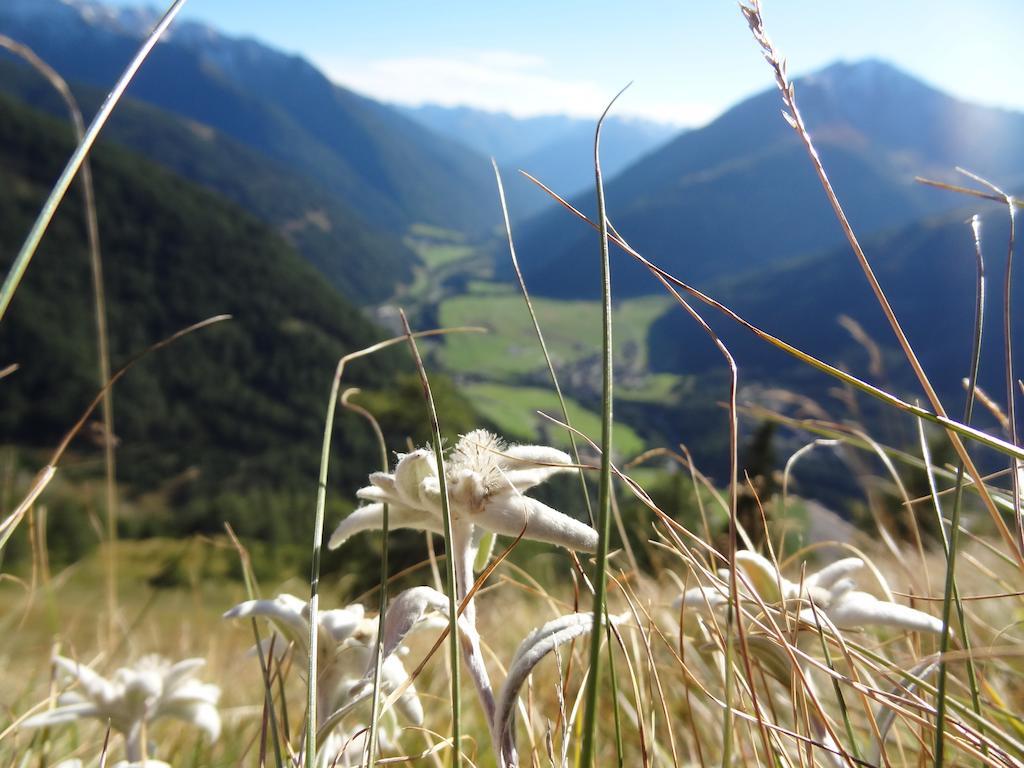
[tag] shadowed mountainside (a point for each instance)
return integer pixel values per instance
(375, 160)
(740, 193)
(363, 263)
(227, 422)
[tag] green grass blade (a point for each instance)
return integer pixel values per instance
(605, 478)
(540, 340)
(35, 236)
(951, 542)
(382, 604)
(318, 526)
(453, 615)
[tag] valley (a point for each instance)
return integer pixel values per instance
(333, 426)
(396, 207)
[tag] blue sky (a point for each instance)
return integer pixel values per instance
(688, 59)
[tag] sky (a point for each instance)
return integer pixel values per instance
(688, 60)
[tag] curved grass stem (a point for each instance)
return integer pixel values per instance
(35, 235)
(951, 542)
(312, 726)
(99, 300)
(449, 543)
(382, 603)
(605, 477)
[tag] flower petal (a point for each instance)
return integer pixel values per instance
(287, 612)
(193, 692)
(404, 612)
(701, 597)
(61, 715)
(410, 472)
(341, 622)
(371, 517)
(382, 487)
(373, 493)
(856, 609)
(201, 713)
(535, 457)
(761, 574)
(507, 514)
(830, 574)
(95, 685)
(342, 749)
(394, 675)
(521, 480)
(524, 466)
(430, 496)
(384, 481)
(180, 671)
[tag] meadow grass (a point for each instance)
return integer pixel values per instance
(513, 410)
(572, 330)
(435, 256)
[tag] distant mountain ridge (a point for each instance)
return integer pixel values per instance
(928, 272)
(380, 163)
(557, 149)
(361, 262)
(740, 193)
(509, 138)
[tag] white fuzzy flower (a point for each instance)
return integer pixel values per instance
(345, 648)
(150, 689)
(486, 481)
(830, 590)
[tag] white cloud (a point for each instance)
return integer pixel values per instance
(498, 81)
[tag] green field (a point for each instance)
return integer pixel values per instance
(441, 252)
(655, 388)
(514, 410)
(572, 330)
(436, 255)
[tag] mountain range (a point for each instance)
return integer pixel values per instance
(361, 261)
(823, 306)
(381, 164)
(557, 149)
(292, 165)
(239, 401)
(224, 424)
(740, 193)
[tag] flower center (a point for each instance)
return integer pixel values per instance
(474, 467)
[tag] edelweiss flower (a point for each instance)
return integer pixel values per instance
(830, 590)
(345, 648)
(486, 481)
(150, 689)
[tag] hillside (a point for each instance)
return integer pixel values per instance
(378, 162)
(227, 422)
(363, 263)
(740, 193)
(928, 272)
